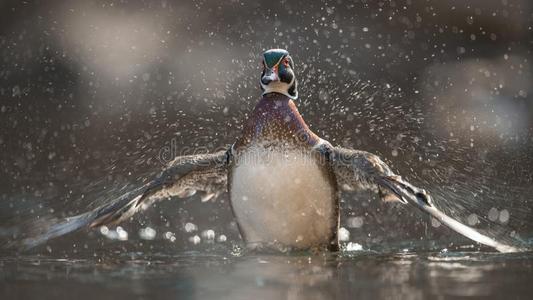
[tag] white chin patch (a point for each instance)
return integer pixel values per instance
(277, 87)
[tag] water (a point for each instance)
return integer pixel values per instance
(195, 275)
(441, 91)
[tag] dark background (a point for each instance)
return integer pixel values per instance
(91, 92)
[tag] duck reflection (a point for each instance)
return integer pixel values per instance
(343, 277)
(272, 277)
(360, 276)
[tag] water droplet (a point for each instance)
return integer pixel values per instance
(195, 239)
(190, 227)
(353, 247)
(472, 220)
(344, 234)
(208, 234)
(104, 230)
(355, 222)
(504, 216)
(147, 233)
(122, 234)
(493, 214)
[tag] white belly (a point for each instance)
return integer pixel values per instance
(283, 198)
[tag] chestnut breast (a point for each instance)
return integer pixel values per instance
(282, 191)
(276, 119)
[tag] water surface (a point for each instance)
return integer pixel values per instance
(193, 275)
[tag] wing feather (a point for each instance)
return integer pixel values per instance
(182, 177)
(355, 169)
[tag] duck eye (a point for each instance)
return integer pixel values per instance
(285, 62)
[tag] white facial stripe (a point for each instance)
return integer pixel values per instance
(292, 80)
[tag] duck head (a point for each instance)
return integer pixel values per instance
(278, 74)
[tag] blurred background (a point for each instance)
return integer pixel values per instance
(92, 93)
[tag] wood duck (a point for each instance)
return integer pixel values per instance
(283, 180)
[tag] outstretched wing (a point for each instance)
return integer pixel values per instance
(182, 177)
(355, 169)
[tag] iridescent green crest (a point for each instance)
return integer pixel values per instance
(274, 56)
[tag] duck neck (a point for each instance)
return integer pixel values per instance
(276, 119)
